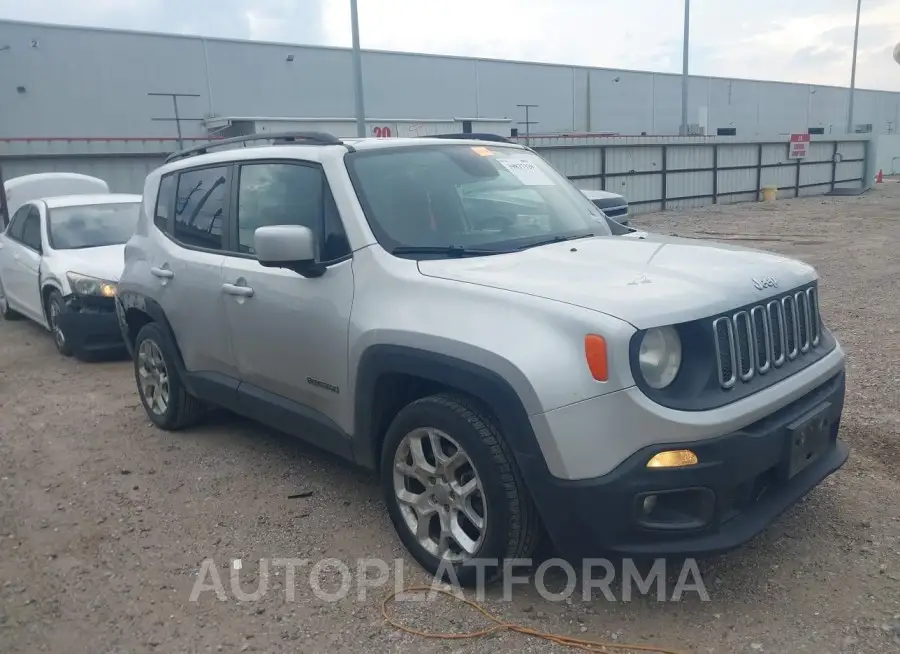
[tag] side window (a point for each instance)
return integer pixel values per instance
(31, 231)
(165, 200)
(200, 206)
(288, 194)
(17, 224)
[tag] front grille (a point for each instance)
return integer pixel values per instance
(616, 211)
(754, 341)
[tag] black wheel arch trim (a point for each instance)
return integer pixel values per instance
(132, 300)
(494, 391)
(491, 388)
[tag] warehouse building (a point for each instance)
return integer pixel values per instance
(74, 82)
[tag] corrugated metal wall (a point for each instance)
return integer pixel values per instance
(81, 82)
(652, 173)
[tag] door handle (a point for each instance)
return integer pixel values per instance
(240, 291)
(162, 273)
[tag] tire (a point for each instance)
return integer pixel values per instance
(169, 405)
(510, 524)
(55, 308)
(5, 311)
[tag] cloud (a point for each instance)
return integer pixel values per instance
(801, 41)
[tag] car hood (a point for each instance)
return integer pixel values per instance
(647, 281)
(104, 262)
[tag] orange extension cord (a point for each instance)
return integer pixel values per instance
(500, 625)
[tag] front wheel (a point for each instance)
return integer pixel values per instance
(166, 401)
(55, 308)
(454, 492)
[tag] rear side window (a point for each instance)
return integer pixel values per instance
(15, 228)
(200, 206)
(31, 232)
(165, 200)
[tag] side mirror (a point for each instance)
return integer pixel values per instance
(288, 246)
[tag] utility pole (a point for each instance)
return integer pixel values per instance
(850, 128)
(357, 72)
(684, 69)
(178, 119)
(527, 122)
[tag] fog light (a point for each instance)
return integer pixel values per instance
(649, 504)
(673, 459)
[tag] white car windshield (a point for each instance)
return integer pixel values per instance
(91, 225)
(468, 199)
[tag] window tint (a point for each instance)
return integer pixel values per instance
(18, 222)
(288, 194)
(200, 206)
(31, 232)
(165, 199)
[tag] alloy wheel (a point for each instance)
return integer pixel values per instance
(153, 377)
(58, 335)
(440, 495)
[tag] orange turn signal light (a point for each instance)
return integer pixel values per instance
(596, 356)
(673, 459)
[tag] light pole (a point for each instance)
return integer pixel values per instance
(357, 72)
(684, 69)
(853, 70)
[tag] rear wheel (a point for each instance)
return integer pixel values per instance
(453, 490)
(5, 311)
(166, 401)
(55, 308)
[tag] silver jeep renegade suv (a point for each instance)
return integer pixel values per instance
(451, 314)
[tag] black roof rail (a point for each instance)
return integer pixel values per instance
(475, 137)
(277, 138)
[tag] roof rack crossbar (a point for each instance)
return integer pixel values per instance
(277, 138)
(474, 137)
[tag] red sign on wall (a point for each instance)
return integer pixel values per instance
(382, 132)
(799, 146)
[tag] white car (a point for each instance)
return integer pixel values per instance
(615, 206)
(60, 259)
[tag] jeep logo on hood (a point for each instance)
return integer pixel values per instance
(765, 282)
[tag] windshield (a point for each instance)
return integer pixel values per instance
(468, 198)
(91, 225)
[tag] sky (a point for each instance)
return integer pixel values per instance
(807, 41)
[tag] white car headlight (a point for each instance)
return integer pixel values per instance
(85, 285)
(660, 356)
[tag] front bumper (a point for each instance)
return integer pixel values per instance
(90, 325)
(738, 487)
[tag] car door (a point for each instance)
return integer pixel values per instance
(289, 333)
(10, 245)
(22, 276)
(191, 209)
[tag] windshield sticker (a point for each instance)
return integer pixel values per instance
(526, 172)
(482, 151)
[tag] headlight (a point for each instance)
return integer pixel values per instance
(84, 285)
(660, 356)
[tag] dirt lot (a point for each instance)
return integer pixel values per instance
(104, 521)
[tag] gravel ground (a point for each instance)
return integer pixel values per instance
(105, 522)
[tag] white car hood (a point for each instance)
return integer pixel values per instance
(105, 262)
(648, 282)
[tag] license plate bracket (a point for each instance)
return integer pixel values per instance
(808, 437)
